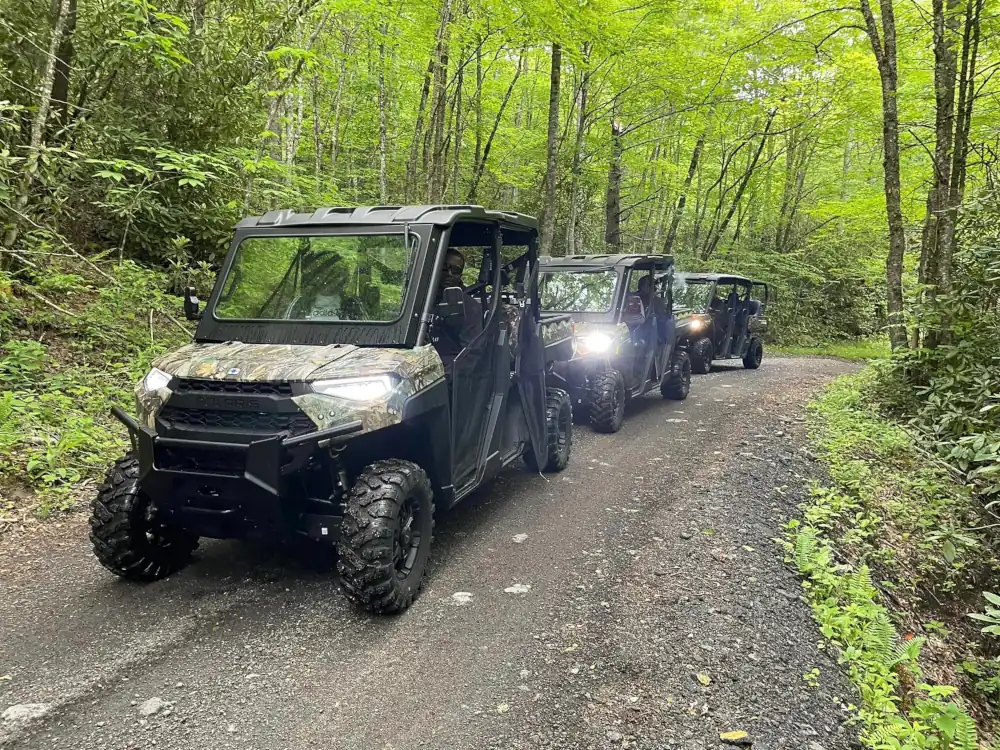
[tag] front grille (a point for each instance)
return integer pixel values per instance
(201, 460)
(296, 423)
(188, 385)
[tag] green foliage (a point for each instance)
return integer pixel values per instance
(991, 615)
(950, 393)
(892, 511)
(858, 350)
(55, 430)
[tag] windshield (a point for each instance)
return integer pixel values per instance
(578, 291)
(330, 278)
(691, 295)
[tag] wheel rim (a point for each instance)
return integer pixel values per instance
(407, 540)
(147, 529)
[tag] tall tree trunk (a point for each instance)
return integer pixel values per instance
(884, 48)
(64, 65)
(418, 130)
(456, 166)
(966, 102)
(38, 128)
(338, 99)
(935, 246)
(675, 220)
(317, 133)
(751, 168)
(613, 198)
(552, 147)
(479, 101)
(575, 198)
(383, 106)
(439, 110)
(481, 163)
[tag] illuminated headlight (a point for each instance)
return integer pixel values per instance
(356, 389)
(697, 324)
(597, 343)
(155, 380)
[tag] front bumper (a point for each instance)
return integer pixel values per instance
(245, 489)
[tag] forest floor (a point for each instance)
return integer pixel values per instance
(660, 614)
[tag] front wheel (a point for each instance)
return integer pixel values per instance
(606, 401)
(701, 355)
(676, 382)
(386, 536)
(558, 432)
(754, 355)
(130, 537)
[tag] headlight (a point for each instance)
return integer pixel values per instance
(155, 380)
(597, 343)
(356, 389)
(697, 324)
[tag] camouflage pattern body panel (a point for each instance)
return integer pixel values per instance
(557, 330)
(148, 405)
(251, 362)
(414, 369)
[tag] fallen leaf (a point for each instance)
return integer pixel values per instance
(518, 588)
(503, 708)
(703, 678)
(571, 649)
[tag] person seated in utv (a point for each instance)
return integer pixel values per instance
(654, 301)
(452, 336)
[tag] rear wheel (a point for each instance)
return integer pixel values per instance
(754, 355)
(676, 382)
(606, 401)
(386, 536)
(130, 537)
(701, 355)
(558, 432)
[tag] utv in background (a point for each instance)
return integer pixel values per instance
(720, 316)
(624, 333)
(313, 404)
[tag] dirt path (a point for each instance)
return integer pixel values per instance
(651, 565)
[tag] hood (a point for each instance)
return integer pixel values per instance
(253, 362)
(584, 329)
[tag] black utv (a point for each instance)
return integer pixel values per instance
(720, 316)
(622, 311)
(314, 401)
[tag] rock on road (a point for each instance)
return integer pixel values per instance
(635, 600)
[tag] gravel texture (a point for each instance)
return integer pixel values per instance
(637, 600)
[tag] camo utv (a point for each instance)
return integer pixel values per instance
(622, 311)
(314, 404)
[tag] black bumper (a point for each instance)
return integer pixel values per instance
(251, 495)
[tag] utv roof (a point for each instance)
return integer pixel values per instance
(709, 277)
(606, 261)
(442, 215)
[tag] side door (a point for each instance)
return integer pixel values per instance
(741, 329)
(473, 372)
(723, 306)
(643, 335)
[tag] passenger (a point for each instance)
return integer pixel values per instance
(453, 336)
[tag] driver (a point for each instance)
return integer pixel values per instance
(654, 301)
(452, 337)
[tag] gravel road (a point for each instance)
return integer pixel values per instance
(659, 614)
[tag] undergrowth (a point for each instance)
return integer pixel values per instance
(889, 553)
(856, 350)
(61, 369)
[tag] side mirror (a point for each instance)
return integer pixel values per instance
(452, 304)
(191, 304)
